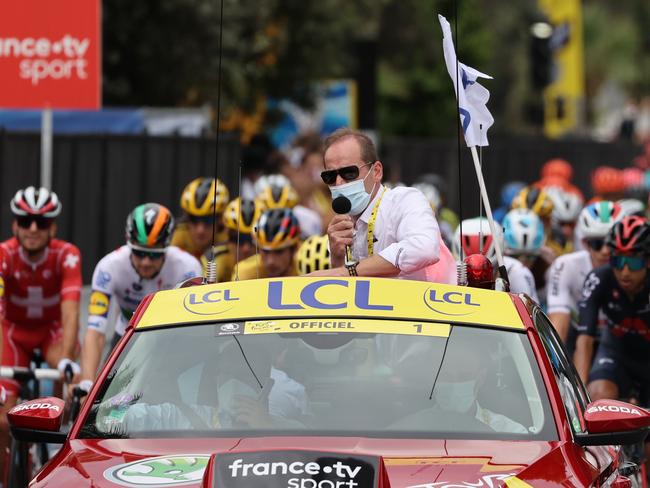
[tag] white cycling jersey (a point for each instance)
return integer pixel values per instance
(116, 278)
(566, 277)
(520, 277)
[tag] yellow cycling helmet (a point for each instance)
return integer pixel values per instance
(277, 192)
(534, 199)
(242, 215)
(277, 229)
(198, 197)
(313, 255)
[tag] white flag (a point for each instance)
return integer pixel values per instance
(472, 97)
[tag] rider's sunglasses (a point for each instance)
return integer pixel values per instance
(25, 222)
(596, 244)
(348, 173)
(206, 219)
(153, 255)
(635, 263)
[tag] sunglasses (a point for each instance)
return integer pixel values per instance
(153, 255)
(635, 263)
(348, 173)
(596, 244)
(25, 222)
(207, 219)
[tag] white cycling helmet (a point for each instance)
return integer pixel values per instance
(566, 206)
(596, 220)
(431, 193)
(35, 201)
(632, 206)
(477, 239)
(523, 232)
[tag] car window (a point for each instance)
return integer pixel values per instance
(434, 380)
(572, 390)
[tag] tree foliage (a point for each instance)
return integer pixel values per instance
(166, 53)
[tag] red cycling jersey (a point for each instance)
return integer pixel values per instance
(32, 292)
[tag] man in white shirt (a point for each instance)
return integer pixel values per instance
(391, 233)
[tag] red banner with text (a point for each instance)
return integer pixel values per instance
(50, 54)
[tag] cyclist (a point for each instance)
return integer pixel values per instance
(202, 212)
(621, 290)
(607, 183)
(508, 193)
(240, 218)
(477, 239)
(568, 272)
(40, 288)
(566, 209)
(277, 237)
(275, 191)
(313, 255)
(147, 263)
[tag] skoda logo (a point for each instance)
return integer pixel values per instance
(178, 470)
(229, 327)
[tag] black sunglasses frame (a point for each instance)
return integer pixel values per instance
(153, 255)
(348, 173)
(25, 222)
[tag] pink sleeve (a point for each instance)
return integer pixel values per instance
(444, 271)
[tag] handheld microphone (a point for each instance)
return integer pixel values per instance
(342, 205)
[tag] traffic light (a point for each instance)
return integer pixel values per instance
(541, 54)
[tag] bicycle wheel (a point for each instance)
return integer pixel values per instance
(19, 465)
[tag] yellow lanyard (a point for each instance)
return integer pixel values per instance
(371, 224)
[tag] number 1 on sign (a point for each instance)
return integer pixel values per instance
(418, 328)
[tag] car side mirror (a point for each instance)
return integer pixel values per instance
(610, 422)
(38, 420)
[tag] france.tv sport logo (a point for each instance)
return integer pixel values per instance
(42, 58)
(296, 469)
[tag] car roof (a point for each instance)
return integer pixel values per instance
(331, 297)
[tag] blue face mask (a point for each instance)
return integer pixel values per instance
(355, 191)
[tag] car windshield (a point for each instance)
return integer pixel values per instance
(349, 377)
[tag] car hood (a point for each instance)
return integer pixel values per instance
(404, 462)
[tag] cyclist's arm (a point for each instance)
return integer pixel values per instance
(98, 308)
(561, 321)
(3, 273)
(71, 283)
(70, 322)
(582, 357)
(91, 353)
(588, 309)
(558, 297)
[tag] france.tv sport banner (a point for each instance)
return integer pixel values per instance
(50, 54)
(295, 469)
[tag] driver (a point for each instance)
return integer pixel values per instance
(456, 389)
(462, 375)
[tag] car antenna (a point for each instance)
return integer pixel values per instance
(241, 201)
(442, 360)
(211, 268)
(461, 266)
(247, 362)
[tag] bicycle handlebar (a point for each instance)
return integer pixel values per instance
(23, 374)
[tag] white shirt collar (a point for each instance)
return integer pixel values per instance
(365, 215)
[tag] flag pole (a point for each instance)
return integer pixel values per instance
(488, 213)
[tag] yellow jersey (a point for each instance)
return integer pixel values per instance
(225, 260)
(252, 267)
(182, 238)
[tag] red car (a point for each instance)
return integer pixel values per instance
(336, 383)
